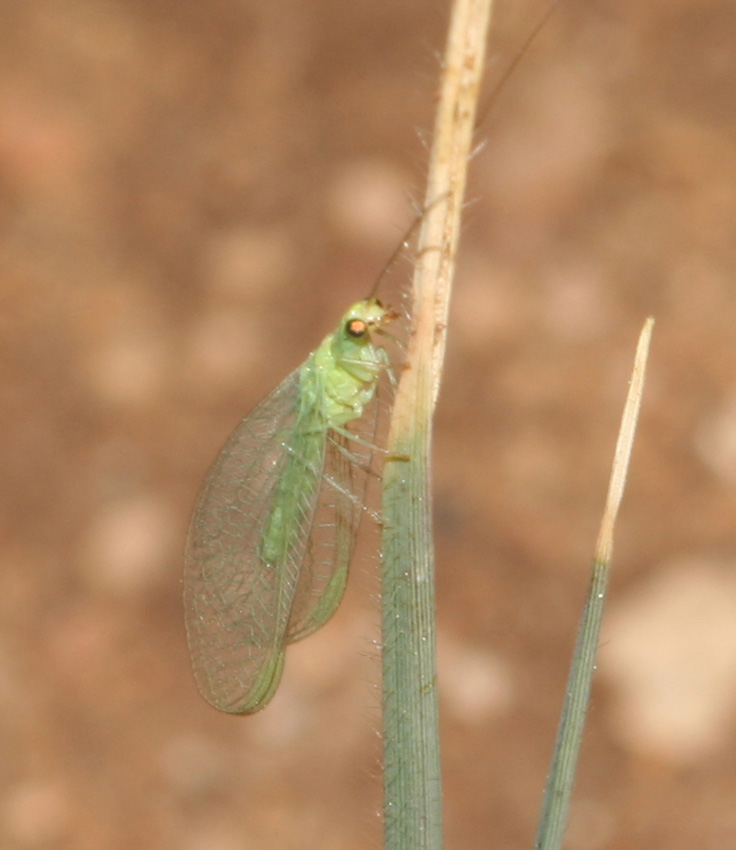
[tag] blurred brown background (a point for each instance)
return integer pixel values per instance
(190, 194)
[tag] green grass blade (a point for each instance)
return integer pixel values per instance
(413, 808)
(412, 779)
(556, 804)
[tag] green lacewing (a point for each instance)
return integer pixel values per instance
(275, 522)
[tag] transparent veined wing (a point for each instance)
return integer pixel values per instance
(236, 610)
(240, 611)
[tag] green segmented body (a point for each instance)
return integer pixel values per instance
(274, 525)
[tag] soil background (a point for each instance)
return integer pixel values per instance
(191, 193)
